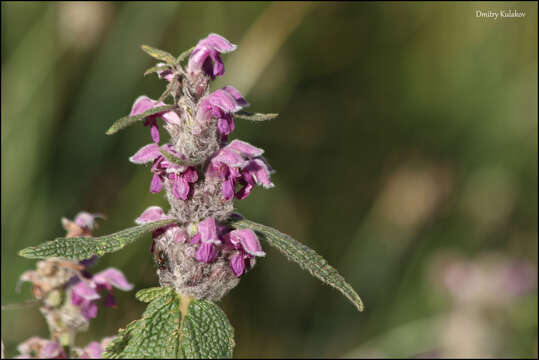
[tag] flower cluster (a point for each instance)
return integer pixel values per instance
(201, 175)
(68, 293)
(39, 348)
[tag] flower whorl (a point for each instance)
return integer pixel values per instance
(200, 255)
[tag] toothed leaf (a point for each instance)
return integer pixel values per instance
(304, 256)
(80, 248)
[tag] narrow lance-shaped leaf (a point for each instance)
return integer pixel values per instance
(80, 248)
(184, 54)
(304, 256)
(156, 69)
(255, 117)
(176, 160)
(159, 54)
(129, 120)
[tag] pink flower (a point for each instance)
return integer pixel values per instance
(240, 163)
(86, 292)
(220, 105)
(39, 348)
(179, 176)
(143, 104)
(248, 247)
(207, 252)
(205, 57)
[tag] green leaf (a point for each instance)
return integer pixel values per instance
(159, 54)
(147, 295)
(176, 160)
(155, 335)
(255, 117)
(206, 332)
(304, 256)
(156, 69)
(184, 54)
(174, 326)
(129, 120)
(80, 248)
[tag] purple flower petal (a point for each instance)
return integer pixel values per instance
(151, 214)
(207, 51)
(89, 310)
(142, 104)
(156, 185)
(110, 300)
(244, 148)
(146, 154)
(180, 188)
(218, 43)
(114, 277)
(83, 291)
(237, 263)
(236, 95)
(227, 189)
(196, 239)
(248, 241)
(206, 253)
(52, 350)
(259, 170)
(86, 220)
(93, 350)
(181, 236)
(208, 231)
(171, 117)
(230, 157)
(154, 131)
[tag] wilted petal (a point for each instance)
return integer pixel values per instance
(146, 154)
(151, 214)
(157, 184)
(113, 277)
(206, 253)
(248, 241)
(142, 104)
(237, 263)
(244, 148)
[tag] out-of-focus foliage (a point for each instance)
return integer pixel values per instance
(405, 150)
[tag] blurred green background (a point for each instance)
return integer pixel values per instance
(405, 151)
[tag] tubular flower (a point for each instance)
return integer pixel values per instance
(247, 247)
(205, 56)
(143, 104)
(240, 163)
(85, 292)
(179, 176)
(220, 105)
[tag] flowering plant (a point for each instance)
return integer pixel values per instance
(202, 247)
